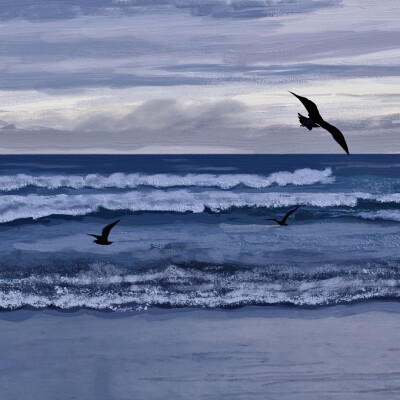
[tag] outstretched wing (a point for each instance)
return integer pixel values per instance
(106, 231)
(272, 219)
(95, 236)
(337, 135)
(288, 215)
(310, 107)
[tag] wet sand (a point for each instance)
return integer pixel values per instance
(340, 352)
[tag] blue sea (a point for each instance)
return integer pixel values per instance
(193, 230)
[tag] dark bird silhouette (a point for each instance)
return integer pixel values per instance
(315, 120)
(282, 222)
(103, 239)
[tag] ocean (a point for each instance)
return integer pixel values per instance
(193, 231)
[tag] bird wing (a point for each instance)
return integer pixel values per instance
(106, 230)
(337, 135)
(288, 214)
(310, 107)
(95, 236)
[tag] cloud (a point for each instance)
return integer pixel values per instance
(68, 59)
(162, 126)
(98, 77)
(167, 116)
(90, 76)
(251, 8)
(376, 123)
(175, 54)
(45, 10)
(168, 126)
(155, 123)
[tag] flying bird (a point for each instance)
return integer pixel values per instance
(315, 120)
(282, 222)
(103, 238)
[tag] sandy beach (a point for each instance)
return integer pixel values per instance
(344, 352)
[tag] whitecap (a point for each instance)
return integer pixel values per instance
(305, 176)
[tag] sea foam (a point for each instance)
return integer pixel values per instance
(107, 287)
(305, 176)
(34, 206)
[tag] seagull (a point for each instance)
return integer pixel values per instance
(315, 120)
(282, 222)
(103, 239)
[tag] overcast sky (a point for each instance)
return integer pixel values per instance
(197, 76)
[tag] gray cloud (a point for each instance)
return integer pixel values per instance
(100, 78)
(182, 49)
(45, 10)
(376, 123)
(251, 8)
(198, 74)
(297, 47)
(35, 60)
(162, 123)
(306, 70)
(169, 116)
(222, 125)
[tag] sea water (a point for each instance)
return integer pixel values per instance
(194, 230)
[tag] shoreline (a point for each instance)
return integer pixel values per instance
(344, 351)
(262, 310)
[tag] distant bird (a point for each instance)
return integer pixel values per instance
(103, 239)
(282, 222)
(315, 120)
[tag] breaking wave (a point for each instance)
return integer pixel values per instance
(299, 177)
(34, 206)
(384, 215)
(108, 287)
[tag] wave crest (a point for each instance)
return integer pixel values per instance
(34, 206)
(109, 287)
(385, 215)
(305, 176)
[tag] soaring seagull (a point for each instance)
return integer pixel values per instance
(315, 120)
(103, 239)
(282, 222)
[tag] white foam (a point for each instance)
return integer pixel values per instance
(174, 286)
(299, 177)
(35, 206)
(387, 215)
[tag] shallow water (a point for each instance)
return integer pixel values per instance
(289, 353)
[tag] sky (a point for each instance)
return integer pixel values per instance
(197, 76)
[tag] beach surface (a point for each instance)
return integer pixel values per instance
(347, 352)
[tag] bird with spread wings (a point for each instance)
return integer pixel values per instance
(282, 222)
(103, 238)
(315, 120)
